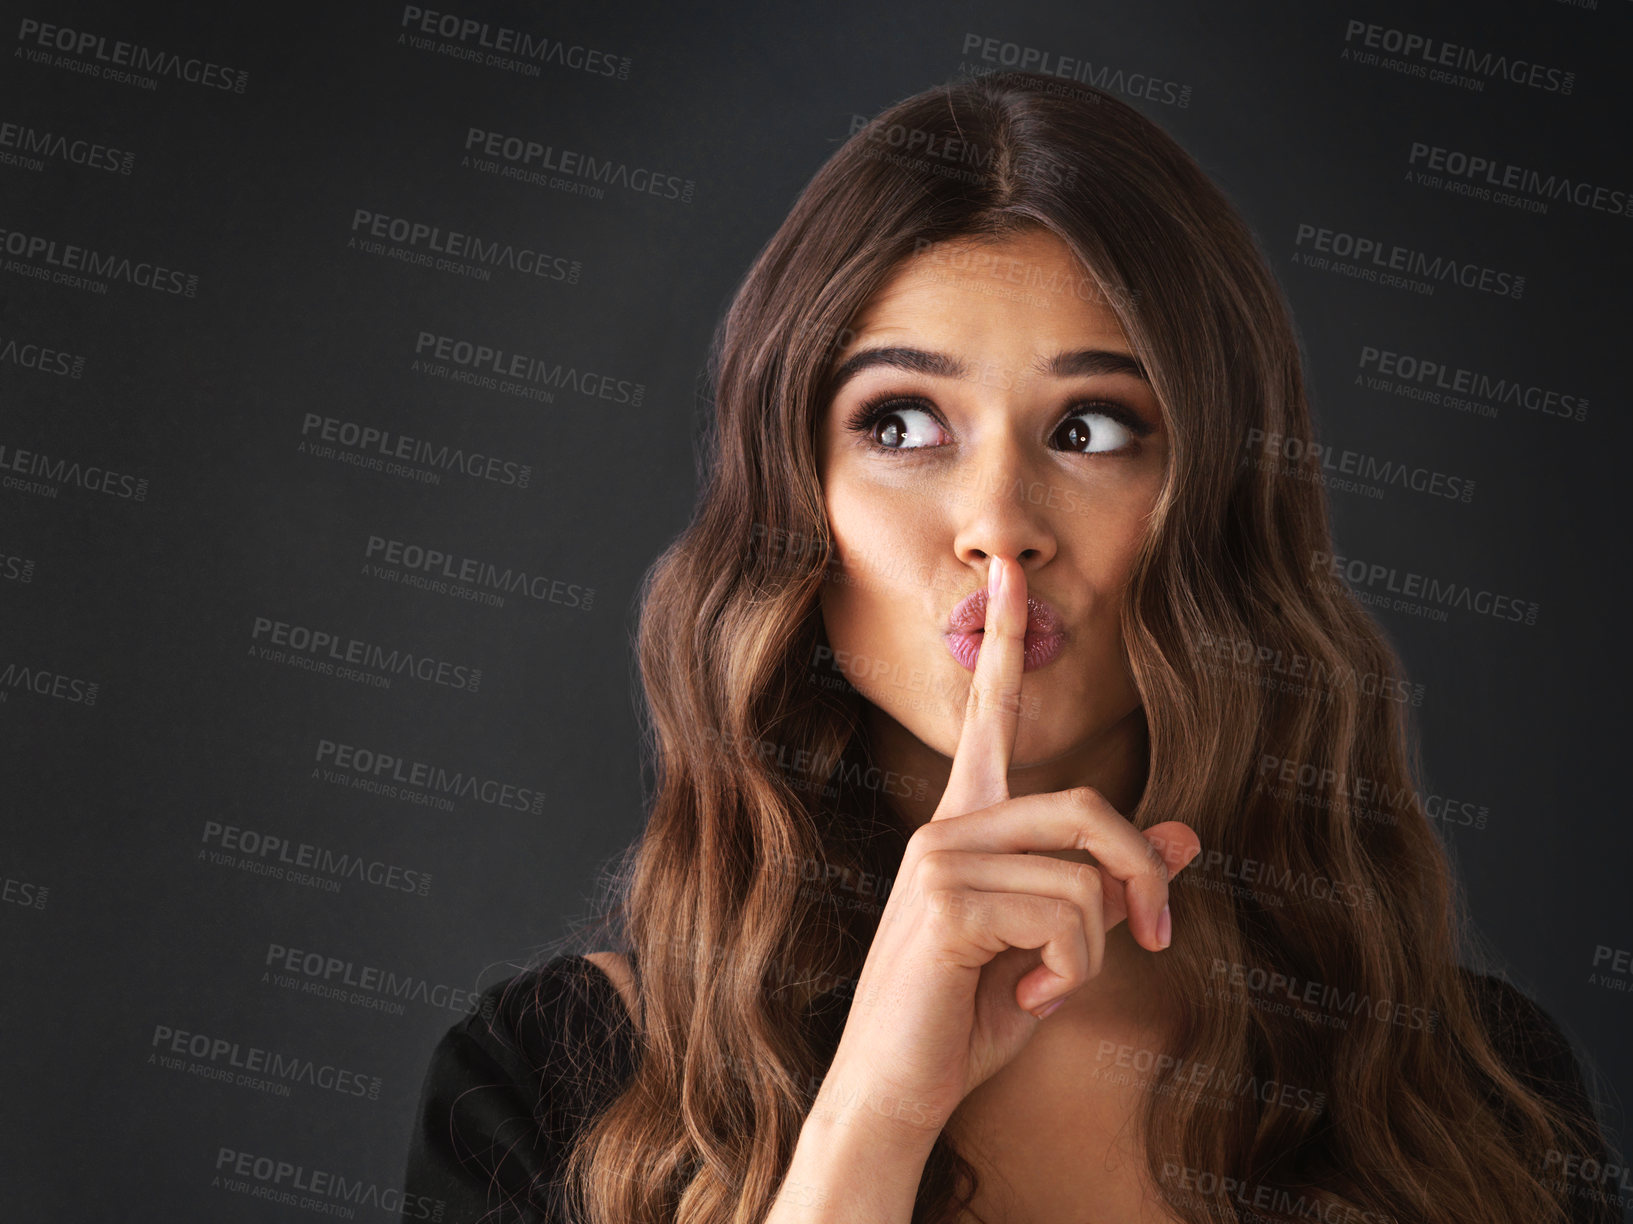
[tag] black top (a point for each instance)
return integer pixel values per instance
(502, 1098)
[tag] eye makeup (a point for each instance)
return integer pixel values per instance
(870, 411)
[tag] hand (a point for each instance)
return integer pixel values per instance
(978, 934)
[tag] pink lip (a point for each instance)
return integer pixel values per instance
(1045, 635)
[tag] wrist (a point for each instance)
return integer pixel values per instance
(847, 1169)
(870, 1112)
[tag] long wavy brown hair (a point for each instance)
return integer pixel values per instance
(1277, 711)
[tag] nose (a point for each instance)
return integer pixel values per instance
(1001, 509)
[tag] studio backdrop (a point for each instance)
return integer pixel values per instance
(352, 376)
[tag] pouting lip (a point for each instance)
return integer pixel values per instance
(970, 615)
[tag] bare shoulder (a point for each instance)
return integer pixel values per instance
(617, 968)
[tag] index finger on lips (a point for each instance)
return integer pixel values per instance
(986, 740)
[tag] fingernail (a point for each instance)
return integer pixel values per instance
(993, 583)
(1165, 927)
(1049, 1007)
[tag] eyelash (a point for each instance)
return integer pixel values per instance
(871, 411)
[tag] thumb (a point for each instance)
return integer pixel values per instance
(1176, 842)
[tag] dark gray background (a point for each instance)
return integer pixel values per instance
(104, 804)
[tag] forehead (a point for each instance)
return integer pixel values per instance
(1027, 292)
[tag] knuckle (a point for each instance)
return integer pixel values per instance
(1084, 878)
(924, 839)
(935, 870)
(1156, 863)
(1086, 799)
(1093, 885)
(1065, 917)
(1084, 806)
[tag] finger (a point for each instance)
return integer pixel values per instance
(1067, 881)
(1071, 942)
(986, 741)
(1075, 819)
(1177, 844)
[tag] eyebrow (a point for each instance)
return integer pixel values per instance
(1075, 363)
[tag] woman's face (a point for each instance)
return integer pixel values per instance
(1008, 417)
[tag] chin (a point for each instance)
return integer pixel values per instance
(937, 724)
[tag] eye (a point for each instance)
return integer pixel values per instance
(1091, 432)
(894, 423)
(906, 425)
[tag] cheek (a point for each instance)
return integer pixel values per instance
(844, 595)
(882, 539)
(1118, 565)
(874, 583)
(1115, 563)
(1106, 548)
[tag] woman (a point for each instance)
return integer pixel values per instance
(1101, 892)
